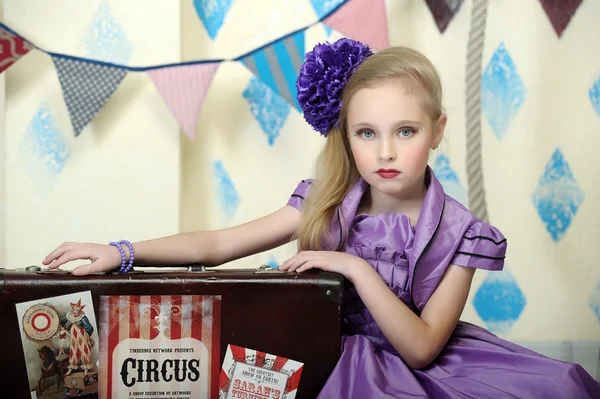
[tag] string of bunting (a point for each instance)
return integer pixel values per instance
(88, 84)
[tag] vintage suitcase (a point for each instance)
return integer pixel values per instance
(290, 315)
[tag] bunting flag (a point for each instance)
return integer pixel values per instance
(323, 8)
(88, 84)
(12, 47)
(277, 64)
(362, 20)
(184, 90)
(443, 11)
(86, 87)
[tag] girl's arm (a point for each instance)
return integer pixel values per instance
(418, 340)
(213, 248)
(208, 248)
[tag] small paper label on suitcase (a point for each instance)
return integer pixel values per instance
(251, 374)
(59, 337)
(159, 347)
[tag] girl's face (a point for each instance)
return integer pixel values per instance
(390, 136)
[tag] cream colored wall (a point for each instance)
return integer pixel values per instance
(122, 179)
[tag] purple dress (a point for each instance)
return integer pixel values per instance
(412, 260)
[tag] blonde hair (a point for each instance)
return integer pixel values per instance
(336, 170)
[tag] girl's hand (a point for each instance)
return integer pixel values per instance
(331, 261)
(103, 257)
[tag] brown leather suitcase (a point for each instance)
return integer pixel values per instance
(296, 316)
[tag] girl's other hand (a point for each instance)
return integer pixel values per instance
(331, 261)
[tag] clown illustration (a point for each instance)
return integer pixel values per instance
(80, 329)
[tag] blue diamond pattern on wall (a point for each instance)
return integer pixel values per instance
(595, 95)
(595, 301)
(499, 301)
(104, 38)
(267, 107)
(558, 196)
(227, 194)
(43, 144)
(322, 8)
(449, 179)
(212, 13)
(502, 92)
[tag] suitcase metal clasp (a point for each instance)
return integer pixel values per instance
(266, 269)
(196, 268)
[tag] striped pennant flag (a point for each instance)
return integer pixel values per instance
(278, 63)
(362, 20)
(12, 47)
(86, 87)
(184, 89)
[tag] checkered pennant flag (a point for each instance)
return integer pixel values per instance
(86, 87)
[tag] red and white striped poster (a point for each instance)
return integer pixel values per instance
(159, 347)
(251, 374)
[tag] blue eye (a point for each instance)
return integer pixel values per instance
(367, 134)
(406, 132)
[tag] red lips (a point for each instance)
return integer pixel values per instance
(388, 173)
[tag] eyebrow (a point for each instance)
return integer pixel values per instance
(399, 123)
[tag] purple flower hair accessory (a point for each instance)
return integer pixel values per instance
(322, 78)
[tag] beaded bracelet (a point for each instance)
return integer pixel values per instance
(124, 268)
(131, 256)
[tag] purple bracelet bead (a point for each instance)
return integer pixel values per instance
(131, 256)
(118, 245)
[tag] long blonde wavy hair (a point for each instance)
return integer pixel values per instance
(336, 170)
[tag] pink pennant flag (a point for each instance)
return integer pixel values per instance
(184, 90)
(362, 20)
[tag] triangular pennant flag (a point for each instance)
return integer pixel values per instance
(12, 47)
(443, 11)
(278, 64)
(362, 20)
(184, 90)
(86, 87)
(560, 13)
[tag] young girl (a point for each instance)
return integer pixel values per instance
(376, 213)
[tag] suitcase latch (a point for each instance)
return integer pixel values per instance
(197, 269)
(266, 269)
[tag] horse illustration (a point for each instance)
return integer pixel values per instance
(50, 367)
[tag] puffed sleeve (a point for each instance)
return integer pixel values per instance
(297, 198)
(482, 246)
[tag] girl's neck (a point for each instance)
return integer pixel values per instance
(408, 203)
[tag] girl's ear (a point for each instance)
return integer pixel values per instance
(438, 131)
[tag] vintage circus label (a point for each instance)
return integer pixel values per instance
(59, 337)
(251, 374)
(159, 347)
